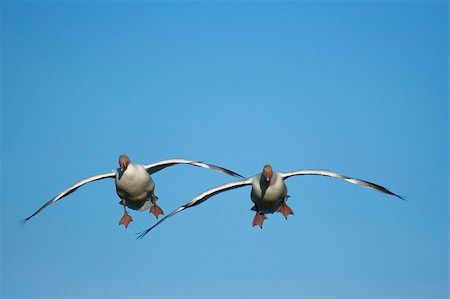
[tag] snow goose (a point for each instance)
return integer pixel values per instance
(134, 185)
(269, 193)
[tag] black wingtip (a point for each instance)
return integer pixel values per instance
(24, 221)
(386, 191)
(142, 234)
(232, 173)
(394, 194)
(227, 171)
(401, 197)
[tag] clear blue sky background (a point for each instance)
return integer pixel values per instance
(360, 88)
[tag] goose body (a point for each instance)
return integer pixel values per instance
(135, 185)
(268, 195)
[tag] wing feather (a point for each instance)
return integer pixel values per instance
(70, 190)
(328, 173)
(152, 168)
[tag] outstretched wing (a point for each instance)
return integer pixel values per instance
(363, 183)
(152, 168)
(70, 190)
(199, 199)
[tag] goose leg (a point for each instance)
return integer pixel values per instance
(155, 209)
(126, 218)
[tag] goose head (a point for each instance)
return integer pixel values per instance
(267, 172)
(124, 161)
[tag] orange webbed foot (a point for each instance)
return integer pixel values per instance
(125, 220)
(156, 210)
(285, 210)
(259, 219)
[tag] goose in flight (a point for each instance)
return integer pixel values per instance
(134, 185)
(269, 193)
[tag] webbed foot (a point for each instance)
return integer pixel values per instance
(259, 219)
(156, 210)
(125, 220)
(285, 210)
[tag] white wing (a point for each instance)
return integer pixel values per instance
(152, 168)
(72, 189)
(199, 199)
(363, 183)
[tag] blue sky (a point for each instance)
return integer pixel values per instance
(360, 88)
